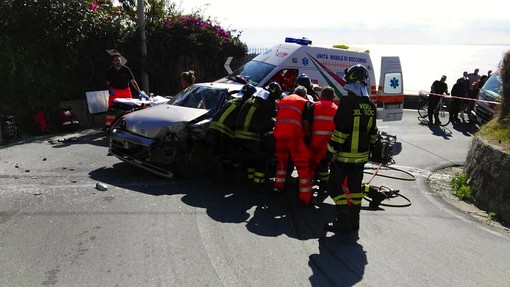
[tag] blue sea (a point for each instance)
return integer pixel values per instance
(423, 64)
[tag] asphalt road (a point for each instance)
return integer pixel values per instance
(57, 229)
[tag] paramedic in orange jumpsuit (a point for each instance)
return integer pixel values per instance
(118, 78)
(323, 125)
(292, 126)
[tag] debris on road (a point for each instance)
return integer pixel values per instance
(101, 186)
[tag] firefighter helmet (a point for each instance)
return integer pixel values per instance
(247, 91)
(303, 80)
(274, 89)
(356, 73)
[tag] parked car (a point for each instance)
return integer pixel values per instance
(171, 137)
(489, 94)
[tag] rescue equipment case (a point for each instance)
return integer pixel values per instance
(66, 120)
(9, 131)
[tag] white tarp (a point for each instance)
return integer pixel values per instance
(97, 101)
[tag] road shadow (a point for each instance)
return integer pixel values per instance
(466, 128)
(90, 137)
(341, 261)
(64, 139)
(126, 176)
(439, 131)
(285, 214)
(262, 212)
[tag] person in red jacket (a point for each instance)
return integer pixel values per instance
(292, 126)
(323, 125)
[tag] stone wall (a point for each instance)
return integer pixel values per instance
(489, 177)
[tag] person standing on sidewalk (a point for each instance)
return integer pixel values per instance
(437, 90)
(459, 91)
(354, 136)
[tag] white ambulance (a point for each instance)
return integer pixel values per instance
(325, 66)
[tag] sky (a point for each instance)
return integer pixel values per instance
(264, 23)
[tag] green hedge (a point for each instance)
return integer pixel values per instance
(55, 50)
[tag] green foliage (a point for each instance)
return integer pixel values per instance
(497, 130)
(50, 47)
(190, 41)
(458, 180)
(460, 186)
(464, 193)
(505, 78)
(493, 215)
(54, 50)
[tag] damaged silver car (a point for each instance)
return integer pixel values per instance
(171, 138)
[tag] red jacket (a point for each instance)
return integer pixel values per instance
(289, 118)
(323, 122)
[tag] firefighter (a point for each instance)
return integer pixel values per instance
(222, 128)
(323, 125)
(293, 121)
(253, 124)
(304, 80)
(354, 135)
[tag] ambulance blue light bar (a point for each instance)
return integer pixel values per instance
(302, 41)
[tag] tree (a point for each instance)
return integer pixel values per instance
(52, 57)
(55, 50)
(505, 77)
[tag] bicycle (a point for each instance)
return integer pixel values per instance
(423, 107)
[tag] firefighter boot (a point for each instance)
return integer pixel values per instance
(342, 224)
(354, 211)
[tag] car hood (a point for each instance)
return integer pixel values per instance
(155, 122)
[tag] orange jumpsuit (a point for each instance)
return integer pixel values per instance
(322, 127)
(289, 137)
(117, 93)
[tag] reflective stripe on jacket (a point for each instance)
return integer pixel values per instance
(225, 119)
(289, 118)
(255, 119)
(355, 129)
(323, 125)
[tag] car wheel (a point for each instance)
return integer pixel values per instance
(193, 162)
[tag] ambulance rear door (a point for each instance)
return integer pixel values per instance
(390, 93)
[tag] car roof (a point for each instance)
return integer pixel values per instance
(230, 87)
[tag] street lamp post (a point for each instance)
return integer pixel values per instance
(143, 45)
